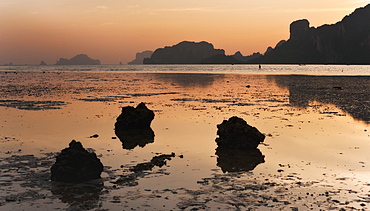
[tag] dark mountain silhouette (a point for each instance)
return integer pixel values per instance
(81, 59)
(184, 53)
(346, 42)
(244, 59)
(141, 56)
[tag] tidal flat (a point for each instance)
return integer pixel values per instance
(315, 155)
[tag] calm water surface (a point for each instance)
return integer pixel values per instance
(315, 118)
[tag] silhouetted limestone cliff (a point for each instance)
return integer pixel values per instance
(346, 42)
(244, 59)
(184, 53)
(141, 56)
(81, 59)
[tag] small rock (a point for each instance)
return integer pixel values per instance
(134, 118)
(76, 164)
(235, 133)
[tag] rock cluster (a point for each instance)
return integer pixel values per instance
(235, 133)
(76, 164)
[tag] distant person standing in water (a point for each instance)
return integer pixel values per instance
(259, 67)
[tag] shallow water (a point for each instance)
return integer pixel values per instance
(315, 154)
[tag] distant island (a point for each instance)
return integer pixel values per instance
(80, 59)
(139, 59)
(184, 53)
(346, 42)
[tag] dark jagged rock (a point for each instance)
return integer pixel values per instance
(141, 56)
(134, 118)
(239, 56)
(81, 59)
(42, 63)
(133, 138)
(75, 164)
(346, 42)
(235, 133)
(235, 160)
(184, 53)
(133, 126)
(298, 29)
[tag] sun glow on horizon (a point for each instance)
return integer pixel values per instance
(115, 31)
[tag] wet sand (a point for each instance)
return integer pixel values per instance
(315, 155)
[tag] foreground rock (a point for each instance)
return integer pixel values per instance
(76, 164)
(134, 118)
(133, 126)
(235, 133)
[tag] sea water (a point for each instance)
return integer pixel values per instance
(251, 69)
(315, 154)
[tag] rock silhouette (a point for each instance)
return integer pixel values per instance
(76, 164)
(134, 118)
(346, 42)
(80, 59)
(184, 53)
(133, 126)
(235, 133)
(141, 56)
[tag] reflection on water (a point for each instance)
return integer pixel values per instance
(133, 138)
(235, 160)
(349, 93)
(79, 196)
(189, 79)
(305, 151)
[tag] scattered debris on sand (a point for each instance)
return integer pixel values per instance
(159, 161)
(137, 170)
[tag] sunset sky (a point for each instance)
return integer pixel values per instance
(115, 30)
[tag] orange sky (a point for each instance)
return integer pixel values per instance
(115, 30)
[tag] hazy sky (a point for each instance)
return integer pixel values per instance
(115, 30)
